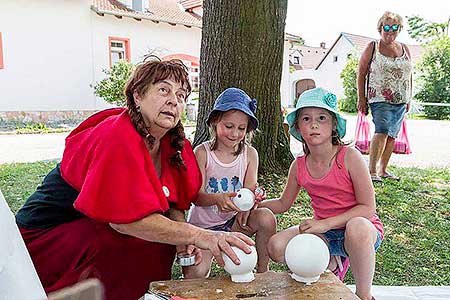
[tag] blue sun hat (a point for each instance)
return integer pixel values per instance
(234, 98)
(317, 97)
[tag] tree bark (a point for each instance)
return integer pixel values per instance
(242, 46)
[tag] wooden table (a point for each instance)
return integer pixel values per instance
(269, 285)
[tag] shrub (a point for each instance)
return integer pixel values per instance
(349, 75)
(111, 89)
(434, 79)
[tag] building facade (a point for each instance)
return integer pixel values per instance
(53, 51)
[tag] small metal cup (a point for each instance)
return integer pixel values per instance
(185, 260)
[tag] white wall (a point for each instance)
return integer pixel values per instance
(330, 71)
(145, 36)
(47, 55)
(55, 49)
(298, 75)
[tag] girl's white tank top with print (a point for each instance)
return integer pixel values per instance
(219, 178)
(389, 78)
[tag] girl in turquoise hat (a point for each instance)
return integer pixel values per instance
(228, 162)
(337, 180)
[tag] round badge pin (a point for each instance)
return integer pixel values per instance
(166, 191)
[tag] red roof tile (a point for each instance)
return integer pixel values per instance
(195, 61)
(190, 4)
(167, 11)
(360, 43)
(311, 55)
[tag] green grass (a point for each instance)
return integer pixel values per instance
(415, 212)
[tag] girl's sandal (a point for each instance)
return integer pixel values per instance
(343, 263)
(376, 178)
(390, 176)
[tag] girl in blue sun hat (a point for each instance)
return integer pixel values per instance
(228, 162)
(337, 180)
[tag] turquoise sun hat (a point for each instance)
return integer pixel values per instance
(317, 97)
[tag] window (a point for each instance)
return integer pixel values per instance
(296, 60)
(1, 52)
(119, 49)
(335, 58)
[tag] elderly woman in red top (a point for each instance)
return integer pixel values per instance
(114, 207)
(385, 69)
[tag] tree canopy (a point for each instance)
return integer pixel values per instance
(434, 79)
(422, 30)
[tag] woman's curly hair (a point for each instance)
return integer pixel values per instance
(151, 71)
(389, 16)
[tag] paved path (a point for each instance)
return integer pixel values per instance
(430, 143)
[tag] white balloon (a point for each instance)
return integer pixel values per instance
(244, 271)
(245, 199)
(307, 256)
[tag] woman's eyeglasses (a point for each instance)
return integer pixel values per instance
(387, 28)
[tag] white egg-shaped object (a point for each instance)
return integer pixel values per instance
(307, 256)
(244, 271)
(245, 199)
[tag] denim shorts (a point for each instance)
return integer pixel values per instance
(225, 226)
(387, 117)
(336, 238)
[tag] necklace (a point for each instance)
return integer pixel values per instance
(331, 159)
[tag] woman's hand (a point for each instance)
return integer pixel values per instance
(219, 241)
(224, 202)
(314, 226)
(190, 249)
(362, 105)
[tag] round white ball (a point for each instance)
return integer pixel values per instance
(307, 256)
(244, 271)
(245, 199)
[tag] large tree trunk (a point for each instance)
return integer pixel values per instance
(242, 46)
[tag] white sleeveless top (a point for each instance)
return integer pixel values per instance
(389, 78)
(219, 178)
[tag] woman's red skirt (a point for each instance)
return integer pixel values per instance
(71, 252)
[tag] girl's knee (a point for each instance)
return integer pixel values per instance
(193, 272)
(265, 220)
(201, 270)
(276, 249)
(359, 229)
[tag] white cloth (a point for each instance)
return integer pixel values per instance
(409, 292)
(18, 278)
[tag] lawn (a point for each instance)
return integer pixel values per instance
(415, 212)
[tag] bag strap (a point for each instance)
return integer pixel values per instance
(368, 68)
(406, 52)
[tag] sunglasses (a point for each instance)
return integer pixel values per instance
(387, 28)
